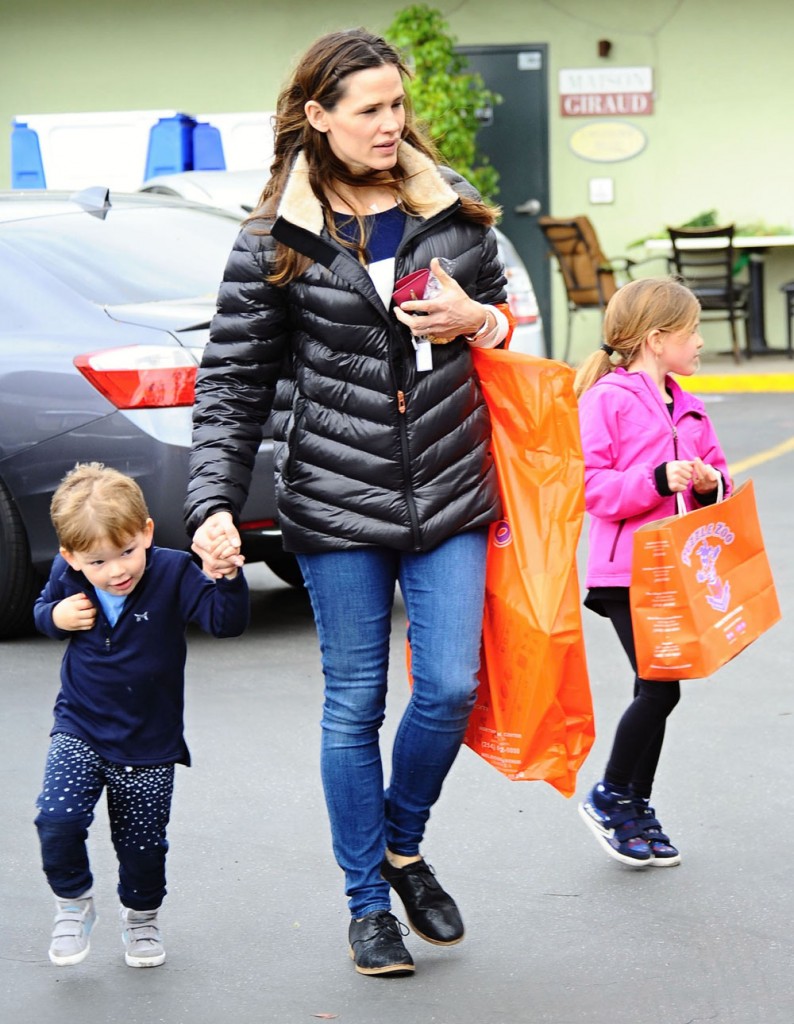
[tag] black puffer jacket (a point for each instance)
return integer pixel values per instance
(368, 450)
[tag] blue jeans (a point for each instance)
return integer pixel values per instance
(352, 594)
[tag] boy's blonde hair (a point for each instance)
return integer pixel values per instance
(94, 503)
(636, 309)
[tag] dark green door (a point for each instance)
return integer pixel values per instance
(515, 137)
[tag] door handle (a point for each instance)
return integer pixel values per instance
(530, 206)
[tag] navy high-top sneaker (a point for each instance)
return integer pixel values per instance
(612, 816)
(663, 853)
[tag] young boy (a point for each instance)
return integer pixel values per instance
(124, 606)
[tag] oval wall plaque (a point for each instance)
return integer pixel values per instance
(607, 141)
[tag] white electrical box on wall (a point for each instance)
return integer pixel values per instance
(602, 190)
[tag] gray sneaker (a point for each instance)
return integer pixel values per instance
(141, 936)
(70, 936)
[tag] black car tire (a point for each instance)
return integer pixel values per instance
(19, 582)
(285, 566)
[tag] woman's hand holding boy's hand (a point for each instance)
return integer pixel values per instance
(217, 543)
(225, 561)
(226, 557)
(74, 613)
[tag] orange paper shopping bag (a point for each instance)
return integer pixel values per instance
(533, 718)
(701, 588)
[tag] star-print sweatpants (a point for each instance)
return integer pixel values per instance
(139, 807)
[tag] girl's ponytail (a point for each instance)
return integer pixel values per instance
(596, 365)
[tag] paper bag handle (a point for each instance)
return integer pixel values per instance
(681, 508)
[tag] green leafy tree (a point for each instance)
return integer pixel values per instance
(446, 99)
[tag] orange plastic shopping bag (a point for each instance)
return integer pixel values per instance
(533, 718)
(701, 588)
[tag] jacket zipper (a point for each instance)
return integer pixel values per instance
(398, 376)
(107, 628)
(413, 515)
(402, 405)
(402, 401)
(395, 358)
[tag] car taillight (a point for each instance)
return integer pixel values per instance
(257, 524)
(141, 376)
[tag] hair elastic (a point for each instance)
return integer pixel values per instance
(608, 349)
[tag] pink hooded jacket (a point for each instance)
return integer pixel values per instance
(627, 431)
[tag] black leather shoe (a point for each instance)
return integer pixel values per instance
(431, 912)
(376, 945)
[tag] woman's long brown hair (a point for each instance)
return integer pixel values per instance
(321, 75)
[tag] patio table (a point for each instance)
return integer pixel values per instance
(756, 246)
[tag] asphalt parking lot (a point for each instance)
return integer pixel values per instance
(557, 933)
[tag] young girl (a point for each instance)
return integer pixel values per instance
(644, 439)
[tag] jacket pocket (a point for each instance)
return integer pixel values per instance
(621, 524)
(293, 433)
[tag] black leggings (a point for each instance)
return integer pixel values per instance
(640, 732)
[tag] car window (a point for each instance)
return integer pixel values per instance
(32, 301)
(132, 255)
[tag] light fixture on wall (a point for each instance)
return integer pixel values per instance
(604, 47)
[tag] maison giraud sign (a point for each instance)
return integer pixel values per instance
(606, 92)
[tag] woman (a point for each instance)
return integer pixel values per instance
(383, 469)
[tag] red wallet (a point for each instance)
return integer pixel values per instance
(410, 287)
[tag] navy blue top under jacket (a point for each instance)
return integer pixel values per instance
(122, 687)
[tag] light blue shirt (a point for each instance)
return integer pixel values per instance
(111, 604)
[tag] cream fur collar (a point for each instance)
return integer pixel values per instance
(426, 188)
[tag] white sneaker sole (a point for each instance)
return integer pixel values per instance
(603, 841)
(70, 961)
(144, 961)
(665, 862)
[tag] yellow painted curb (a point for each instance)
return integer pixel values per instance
(728, 382)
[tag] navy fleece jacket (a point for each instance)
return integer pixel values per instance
(122, 687)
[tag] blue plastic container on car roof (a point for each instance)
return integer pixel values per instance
(207, 148)
(27, 167)
(170, 146)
